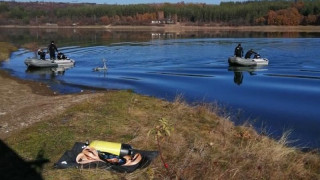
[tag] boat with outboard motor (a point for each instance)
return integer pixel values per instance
(39, 63)
(42, 62)
(255, 61)
(60, 70)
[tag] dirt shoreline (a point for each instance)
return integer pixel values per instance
(181, 28)
(23, 103)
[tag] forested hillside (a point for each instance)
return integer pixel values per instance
(265, 12)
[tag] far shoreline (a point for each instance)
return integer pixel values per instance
(179, 28)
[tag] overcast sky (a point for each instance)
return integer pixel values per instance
(129, 1)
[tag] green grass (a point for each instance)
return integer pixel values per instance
(201, 144)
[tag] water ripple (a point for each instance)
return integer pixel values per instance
(180, 74)
(294, 76)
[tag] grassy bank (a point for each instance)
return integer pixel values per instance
(5, 50)
(201, 144)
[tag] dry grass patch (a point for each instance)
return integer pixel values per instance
(201, 144)
(5, 50)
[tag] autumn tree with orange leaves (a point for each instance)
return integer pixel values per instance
(290, 16)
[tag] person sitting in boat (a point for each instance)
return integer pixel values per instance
(238, 52)
(61, 56)
(52, 48)
(42, 54)
(249, 53)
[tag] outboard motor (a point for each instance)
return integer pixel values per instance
(256, 56)
(61, 56)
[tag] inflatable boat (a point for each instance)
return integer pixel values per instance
(238, 61)
(47, 63)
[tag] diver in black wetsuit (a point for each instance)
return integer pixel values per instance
(52, 48)
(249, 53)
(238, 51)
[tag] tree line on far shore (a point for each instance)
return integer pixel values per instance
(261, 12)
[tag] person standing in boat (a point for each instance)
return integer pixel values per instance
(52, 48)
(249, 53)
(238, 52)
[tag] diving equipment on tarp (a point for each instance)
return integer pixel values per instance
(68, 160)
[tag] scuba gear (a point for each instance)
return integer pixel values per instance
(83, 153)
(112, 148)
(256, 56)
(109, 152)
(61, 56)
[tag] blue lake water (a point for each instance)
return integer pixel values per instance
(285, 95)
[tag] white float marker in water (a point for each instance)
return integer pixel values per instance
(104, 68)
